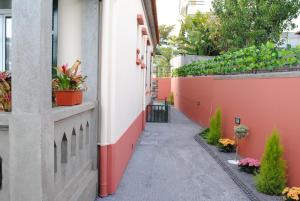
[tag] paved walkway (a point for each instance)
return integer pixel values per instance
(169, 165)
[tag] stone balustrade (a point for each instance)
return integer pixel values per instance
(4, 157)
(74, 140)
(74, 168)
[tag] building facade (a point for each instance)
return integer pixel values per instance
(190, 7)
(73, 153)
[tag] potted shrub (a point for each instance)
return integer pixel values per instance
(68, 85)
(241, 131)
(291, 194)
(226, 145)
(249, 165)
(5, 91)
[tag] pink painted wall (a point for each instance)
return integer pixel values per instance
(164, 88)
(113, 158)
(262, 104)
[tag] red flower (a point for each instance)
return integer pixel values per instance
(64, 68)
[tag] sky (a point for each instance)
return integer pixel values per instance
(168, 13)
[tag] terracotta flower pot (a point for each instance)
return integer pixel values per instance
(68, 97)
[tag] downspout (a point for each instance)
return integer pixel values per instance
(105, 97)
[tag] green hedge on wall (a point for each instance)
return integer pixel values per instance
(252, 59)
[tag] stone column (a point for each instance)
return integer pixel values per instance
(31, 127)
(90, 65)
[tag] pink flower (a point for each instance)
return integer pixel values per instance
(64, 68)
(249, 162)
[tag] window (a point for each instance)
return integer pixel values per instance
(54, 32)
(5, 41)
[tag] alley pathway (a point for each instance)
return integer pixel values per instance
(169, 165)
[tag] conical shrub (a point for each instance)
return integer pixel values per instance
(215, 130)
(272, 176)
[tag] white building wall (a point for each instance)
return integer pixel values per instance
(128, 79)
(70, 16)
(290, 38)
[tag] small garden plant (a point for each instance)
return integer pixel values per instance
(171, 99)
(249, 165)
(215, 130)
(204, 133)
(272, 176)
(291, 194)
(226, 145)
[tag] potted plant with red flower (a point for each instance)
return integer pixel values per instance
(68, 85)
(5, 91)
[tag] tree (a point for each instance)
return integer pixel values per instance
(164, 33)
(215, 129)
(199, 35)
(272, 176)
(253, 22)
(164, 51)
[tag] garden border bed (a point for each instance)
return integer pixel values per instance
(243, 180)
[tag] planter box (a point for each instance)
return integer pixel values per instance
(68, 97)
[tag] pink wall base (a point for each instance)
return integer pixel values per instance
(113, 159)
(262, 104)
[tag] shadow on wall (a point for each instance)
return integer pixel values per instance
(261, 103)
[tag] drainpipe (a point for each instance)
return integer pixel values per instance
(105, 97)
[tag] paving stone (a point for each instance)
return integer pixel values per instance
(169, 165)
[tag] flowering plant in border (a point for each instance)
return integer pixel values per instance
(249, 165)
(5, 91)
(226, 145)
(291, 194)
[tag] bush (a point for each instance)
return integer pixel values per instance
(204, 133)
(215, 131)
(170, 99)
(272, 176)
(252, 59)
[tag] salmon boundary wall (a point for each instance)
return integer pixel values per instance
(164, 88)
(262, 101)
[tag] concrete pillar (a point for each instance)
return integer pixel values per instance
(90, 65)
(31, 127)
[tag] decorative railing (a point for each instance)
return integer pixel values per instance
(74, 141)
(4, 157)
